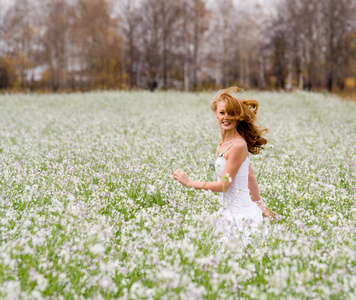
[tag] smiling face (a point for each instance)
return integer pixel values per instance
(224, 119)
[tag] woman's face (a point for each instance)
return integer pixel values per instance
(224, 119)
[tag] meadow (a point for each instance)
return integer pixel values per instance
(89, 208)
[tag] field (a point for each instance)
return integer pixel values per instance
(89, 207)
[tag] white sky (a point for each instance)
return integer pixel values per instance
(268, 6)
(6, 1)
(263, 3)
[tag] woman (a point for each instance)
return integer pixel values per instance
(240, 135)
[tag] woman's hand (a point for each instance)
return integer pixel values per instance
(181, 177)
(266, 211)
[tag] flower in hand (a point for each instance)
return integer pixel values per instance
(181, 177)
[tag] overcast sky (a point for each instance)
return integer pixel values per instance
(262, 3)
(6, 1)
(267, 6)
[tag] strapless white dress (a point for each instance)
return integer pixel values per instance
(238, 215)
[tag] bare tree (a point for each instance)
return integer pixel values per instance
(4, 66)
(315, 36)
(97, 39)
(189, 40)
(199, 27)
(219, 35)
(130, 21)
(19, 33)
(338, 16)
(56, 43)
(234, 43)
(182, 43)
(150, 38)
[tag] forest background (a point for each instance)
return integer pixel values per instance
(72, 45)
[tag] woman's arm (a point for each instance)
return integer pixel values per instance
(237, 155)
(256, 197)
(217, 186)
(253, 185)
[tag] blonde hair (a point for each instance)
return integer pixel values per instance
(244, 112)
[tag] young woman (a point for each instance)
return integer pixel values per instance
(240, 135)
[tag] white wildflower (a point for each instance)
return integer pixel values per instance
(97, 249)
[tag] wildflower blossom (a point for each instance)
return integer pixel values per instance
(87, 205)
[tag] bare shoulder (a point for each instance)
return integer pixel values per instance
(238, 149)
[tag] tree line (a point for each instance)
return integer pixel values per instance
(183, 44)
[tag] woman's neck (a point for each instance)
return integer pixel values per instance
(227, 136)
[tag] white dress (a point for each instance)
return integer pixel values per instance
(238, 215)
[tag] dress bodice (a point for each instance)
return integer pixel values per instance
(237, 212)
(240, 182)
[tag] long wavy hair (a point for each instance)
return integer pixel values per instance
(244, 112)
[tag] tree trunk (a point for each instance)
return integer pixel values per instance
(262, 81)
(196, 43)
(186, 76)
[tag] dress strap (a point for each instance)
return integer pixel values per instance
(232, 144)
(228, 148)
